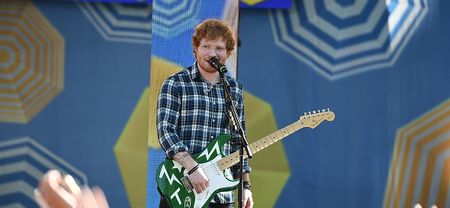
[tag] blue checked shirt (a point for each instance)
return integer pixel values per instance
(192, 112)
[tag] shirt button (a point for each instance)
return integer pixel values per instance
(212, 137)
(214, 120)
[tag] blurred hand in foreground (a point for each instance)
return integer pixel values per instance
(63, 192)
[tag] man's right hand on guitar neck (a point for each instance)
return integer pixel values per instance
(197, 177)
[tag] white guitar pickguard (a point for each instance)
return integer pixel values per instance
(217, 179)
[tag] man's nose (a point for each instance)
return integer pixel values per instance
(212, 53)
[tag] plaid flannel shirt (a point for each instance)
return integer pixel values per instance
(192, 112)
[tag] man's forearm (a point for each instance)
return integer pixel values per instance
(185, 160)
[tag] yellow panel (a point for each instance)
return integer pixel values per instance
(131, 152)
(262, 181)
(252, 2)
(160, 70)
(270, 168)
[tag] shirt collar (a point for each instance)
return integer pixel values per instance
(195, 72)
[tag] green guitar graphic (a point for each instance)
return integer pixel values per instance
(175, 186)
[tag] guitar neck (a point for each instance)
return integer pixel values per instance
(259, 145)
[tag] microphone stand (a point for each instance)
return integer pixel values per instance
(235, 122)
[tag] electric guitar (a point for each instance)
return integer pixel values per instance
(176, 188)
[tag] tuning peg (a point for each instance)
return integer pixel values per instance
(314, 112)
(328, 109)
(304, 113)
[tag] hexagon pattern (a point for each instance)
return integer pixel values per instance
(172, 18)
(340, 38)
(120, 21)
(31, 61)
(420, 166)
(23, 162)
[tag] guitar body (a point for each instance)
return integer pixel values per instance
(169, 177)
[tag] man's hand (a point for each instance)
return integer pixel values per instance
(199, 180)
(248, 198)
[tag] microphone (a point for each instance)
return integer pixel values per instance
(215, 63)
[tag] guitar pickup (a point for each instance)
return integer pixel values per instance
(187, 183)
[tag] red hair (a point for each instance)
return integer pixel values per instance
(212, 29)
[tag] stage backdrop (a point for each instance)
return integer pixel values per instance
(172, 29)
(75, 89)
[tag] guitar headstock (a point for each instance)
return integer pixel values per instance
(312, 119)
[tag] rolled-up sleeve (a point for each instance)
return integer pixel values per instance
(167, 116)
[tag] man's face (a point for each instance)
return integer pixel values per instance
(209, 48)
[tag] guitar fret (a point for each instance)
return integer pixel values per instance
(265, 143)
(260, 143)
(255, 146)
(288, 130)
(278, 134)
(293, 127)
(271, 140)
(253, 149)
(297, 125)
(284, 132)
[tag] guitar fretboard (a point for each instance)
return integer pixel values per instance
(259, 145)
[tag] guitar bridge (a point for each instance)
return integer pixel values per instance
(187, 183)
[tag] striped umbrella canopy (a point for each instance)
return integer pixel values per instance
(339, 40)
(31, 61)
(420, 165)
